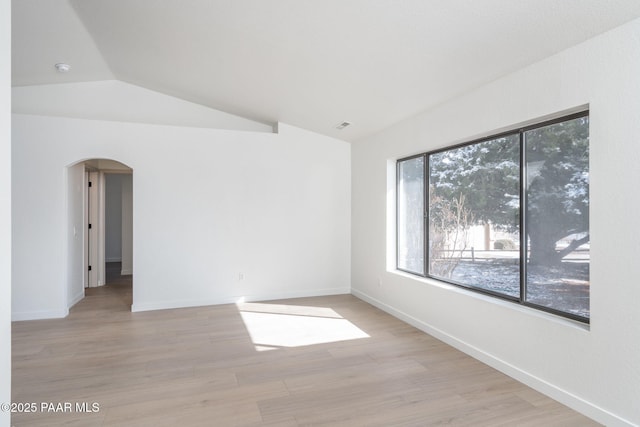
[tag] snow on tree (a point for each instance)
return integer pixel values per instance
(486, 176)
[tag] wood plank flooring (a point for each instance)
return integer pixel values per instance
(200, 367)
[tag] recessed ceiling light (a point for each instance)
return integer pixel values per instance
(342, 125)
(62, 67)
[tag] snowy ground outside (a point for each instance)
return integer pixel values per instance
(564, 287)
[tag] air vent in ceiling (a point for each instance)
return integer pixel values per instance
(342, 125)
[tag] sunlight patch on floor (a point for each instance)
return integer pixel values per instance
(272, 326)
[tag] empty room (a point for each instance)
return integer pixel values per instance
(349, 213)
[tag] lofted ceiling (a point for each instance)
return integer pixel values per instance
(309, 63)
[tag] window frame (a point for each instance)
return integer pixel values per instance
(425, 223)
(520, 132)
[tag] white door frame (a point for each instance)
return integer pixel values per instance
(101, 215)
(94, 228)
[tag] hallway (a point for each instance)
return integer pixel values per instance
(115, 296)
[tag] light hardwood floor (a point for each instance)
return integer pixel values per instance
(200, 366)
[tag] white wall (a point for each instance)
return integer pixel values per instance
(127, 224)
(595, 370)
(120, 101)
(5, 208)
(207, 206)
(113, 218)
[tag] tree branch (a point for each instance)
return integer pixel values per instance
(572, 246)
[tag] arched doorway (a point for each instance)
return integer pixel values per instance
(100, 216)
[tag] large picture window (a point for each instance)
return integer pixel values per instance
(507, 215)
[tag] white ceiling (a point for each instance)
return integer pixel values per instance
(309, 63)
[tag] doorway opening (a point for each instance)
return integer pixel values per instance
(109, 212)
(101, 204)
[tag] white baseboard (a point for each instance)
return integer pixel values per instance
(567, 398)
(38, 315)
(164, 305)
(126, 271)
(76, 299)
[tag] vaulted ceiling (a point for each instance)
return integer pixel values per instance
(309, 63)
